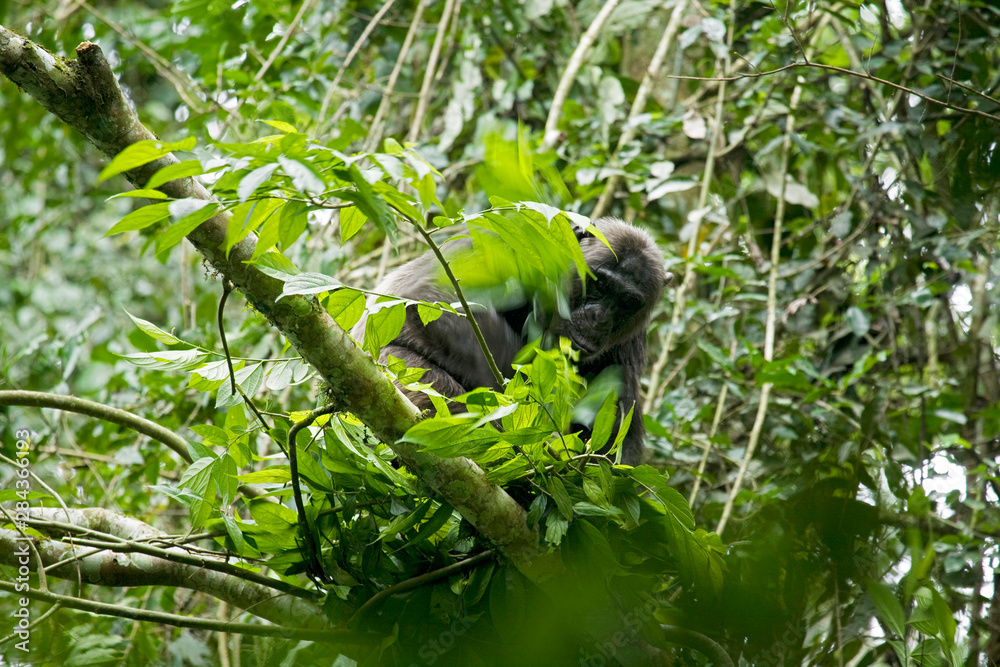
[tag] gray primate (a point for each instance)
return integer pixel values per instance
(607, 323)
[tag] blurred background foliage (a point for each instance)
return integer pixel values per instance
(871, 496)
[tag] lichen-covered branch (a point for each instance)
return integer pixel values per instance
(85, 94)
(129, 567)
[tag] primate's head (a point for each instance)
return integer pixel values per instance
(607, 320)
(615, 305)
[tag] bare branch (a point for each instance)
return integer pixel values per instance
(551, 135)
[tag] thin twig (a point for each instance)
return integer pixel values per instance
(227, 288)
(453, 29)
(639, 103)
(969, 89)
(653, 392)
(314, 566)
(490, 361)
(846, 72)
(181, 82)
(348, 59)
(289, 32)
(416, 582)
(375, 131)
(551, 135)
(429, 71)
(716, 419)
(772, 299)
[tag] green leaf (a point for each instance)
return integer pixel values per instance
(153, 331)
(718, 357)
(309, 283)
(671, 499)
(273, 517)
(141, 218)
(604, 423)
(314, 474)
(304, 179)
(557, 490)
(718, 271)
(172, 172)
(434, 524)
(268, 236)
(395, 198)
(247, 217)
(944, 617)
(198, 478)
(923, 617)
(225, 476)
(555, 528)
(858, 321)
(888, 607)
(175, 360)
(293, 222)
(548, 211)
(249, 184)
(279, 376)
(952, 416)
(351, 222)
(597, 547)
(590, 509)
(371, 204)
(225, 398)
(404, 522)
(281, 126)
(252, 384)
(143, 152)
(479, 582)
(594, 492)
(346, 306)
(200, 211)
(270, 475)
(404, 374)
(383, 326)
(543, 374)
(276, 265)
(147, 193)
(426, 188)
(448, 437)
(626, 422)
(537, 509)
(633, 507)
(428, 314)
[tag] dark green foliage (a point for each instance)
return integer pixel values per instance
(865, 524)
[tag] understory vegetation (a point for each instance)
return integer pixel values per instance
(200, 466)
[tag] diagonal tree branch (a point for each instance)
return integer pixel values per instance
(85, 94)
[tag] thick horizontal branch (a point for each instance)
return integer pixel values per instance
(105, 567)
(37, 399)
(341, 637)
(123, 534)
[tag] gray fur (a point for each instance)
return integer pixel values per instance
(607, 323)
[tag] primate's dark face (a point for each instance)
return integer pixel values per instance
(616, 305)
